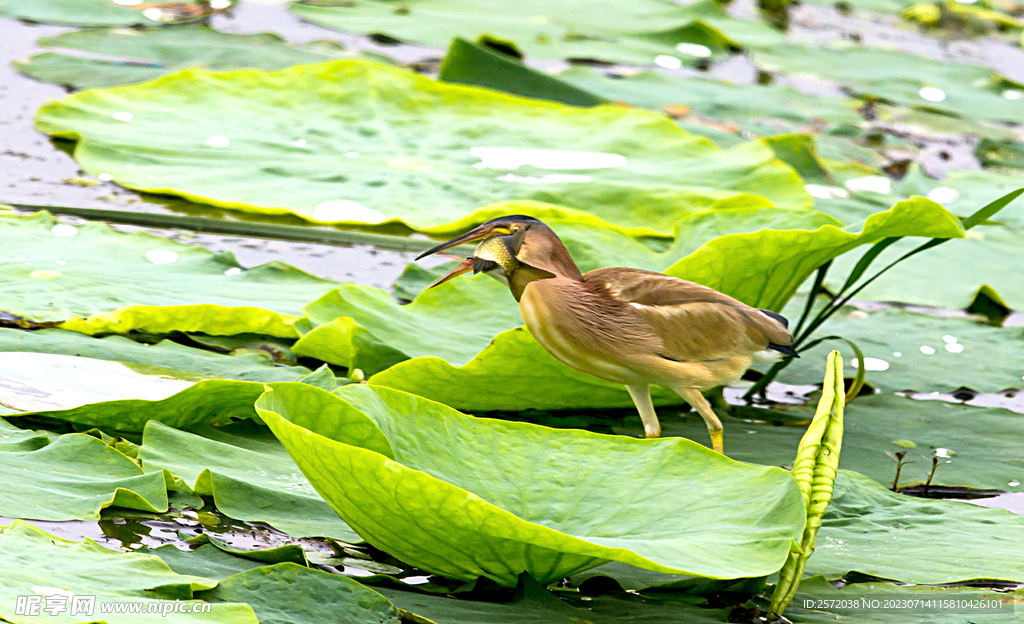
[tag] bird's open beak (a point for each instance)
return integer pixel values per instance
(465, 267)
(484, 231)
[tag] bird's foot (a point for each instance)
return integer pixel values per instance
(650, 434)
(717, 441)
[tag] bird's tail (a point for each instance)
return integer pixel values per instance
(784, 349)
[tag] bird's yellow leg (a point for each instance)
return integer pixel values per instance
(642, 399)
(697, 400)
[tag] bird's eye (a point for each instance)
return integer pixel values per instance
(515, 228)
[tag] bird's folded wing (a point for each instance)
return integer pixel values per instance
(696, 323)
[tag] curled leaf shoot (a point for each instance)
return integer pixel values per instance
(815, 468)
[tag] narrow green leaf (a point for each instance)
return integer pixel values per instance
(983, 214)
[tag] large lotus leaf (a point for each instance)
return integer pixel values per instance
(875, 531)
(99, 281)
(90, 12)
(360, 327)
(34, 562)
(385, 333)
(925, 353)
(124, 56)
(116, 396)
(392, 146)
(73, 478)
(794, 254)
(513, 373)
(703, 104)
(970, 189)
(986, 257)
(248, 474)
(287, 593)
(534, 604)
(924, 604)
(17, 439)
(164, 354)
(718, 100)
(979, 449)
(207, 561)
(951, 276)
(476, 64)
(666, 505)
(867, 190)
(905, 79)
(758, 110)
(634, 32)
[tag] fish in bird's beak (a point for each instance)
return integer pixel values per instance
(490, 255)
(475, 263)
(494, 256)
(486, 230)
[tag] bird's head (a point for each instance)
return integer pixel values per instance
(514, 249)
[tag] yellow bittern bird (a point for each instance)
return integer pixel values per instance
(623, 325)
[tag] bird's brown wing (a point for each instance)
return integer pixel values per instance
(696, 323)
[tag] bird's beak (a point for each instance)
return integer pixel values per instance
(465, 267)
(484, 231)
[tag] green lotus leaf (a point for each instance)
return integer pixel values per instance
(363, 327)
(183, 362)
(855, 601)
(527, 375)
(116, 396)
(534, 604)
(122, 56)
(288, 553)
(924, 353)
(871, 530)
(476, 64)
(390, 146)
(73, 478)
(207, 561)
(793, 255)
(906, 79)
(82, 12)
(953, 275)
(703, 104)
(94, 280)
(635, 32)
(990, 251)
(17, 439)
(857, 191)
(248, 474)
(974, 440)
(287, 593)
(759, 110)
(34, 562)
(914, 540)
(688, 509)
